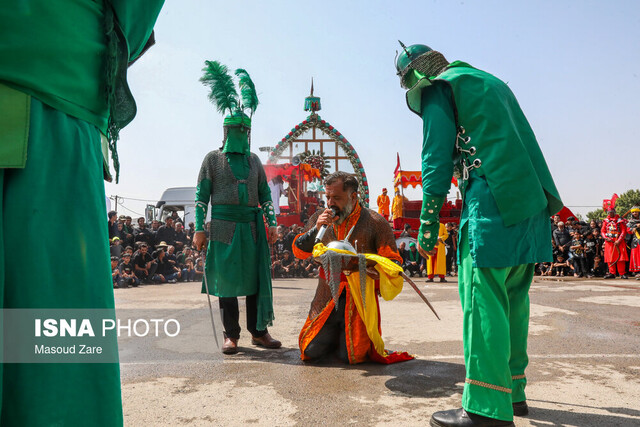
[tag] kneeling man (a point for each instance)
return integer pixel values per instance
(352, 329)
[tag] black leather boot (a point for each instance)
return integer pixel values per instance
(462, 418)
(520, 409)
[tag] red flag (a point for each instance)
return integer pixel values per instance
(395, 172)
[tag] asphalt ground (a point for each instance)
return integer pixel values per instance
(584, 369)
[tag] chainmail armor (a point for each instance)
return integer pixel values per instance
(370, 233)
(224, 190)
(430, 64)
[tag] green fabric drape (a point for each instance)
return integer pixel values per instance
(54, 253)
(246, 214)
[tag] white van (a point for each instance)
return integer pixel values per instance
(178, 199)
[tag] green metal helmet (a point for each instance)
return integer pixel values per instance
(416, 65)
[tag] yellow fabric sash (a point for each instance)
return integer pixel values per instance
(390, 286)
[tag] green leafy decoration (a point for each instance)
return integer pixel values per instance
(247, 91)
(223, 92)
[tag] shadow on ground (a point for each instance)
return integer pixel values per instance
(413, 378)
(557, 417)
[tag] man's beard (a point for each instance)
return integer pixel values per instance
(344, 213)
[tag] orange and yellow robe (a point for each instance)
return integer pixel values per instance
(362, 313)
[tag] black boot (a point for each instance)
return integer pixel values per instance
(520, 409)
(462, 418)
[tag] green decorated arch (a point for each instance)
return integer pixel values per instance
(314, 121)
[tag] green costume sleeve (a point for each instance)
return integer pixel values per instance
(264, 195)
(438, 152)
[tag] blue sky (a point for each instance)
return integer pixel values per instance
(574, 66)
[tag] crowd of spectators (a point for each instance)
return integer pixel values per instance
(578, 249)
(283, 263)
(414, 264)
(152, 253)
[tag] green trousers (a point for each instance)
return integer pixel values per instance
(54, 254)
(495, 305)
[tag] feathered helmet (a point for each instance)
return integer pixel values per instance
(225, 97)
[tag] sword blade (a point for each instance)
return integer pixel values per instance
(415, 288)
(213, 324)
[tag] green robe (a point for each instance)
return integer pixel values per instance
(504, 228)
(54, 250)
(238, 260)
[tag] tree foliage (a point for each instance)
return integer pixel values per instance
(625, 202)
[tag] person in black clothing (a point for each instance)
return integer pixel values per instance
(166, 272)
(181, 239)
(402, 250)
(561, 266)
(562, 239)
(113, 219)
(142, 233)
(284, 267)
(127, 274)
(176, 219)
(578, 255)
(166, 233)
(142, 263)
(191, 231)
(451, 245)
(289, 237)
(115, 271)
(414, 262)
(590, 251)
(599, 267)
(116, 247)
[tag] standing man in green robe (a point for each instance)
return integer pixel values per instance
(233, 180)
(63, 98)
(473, 124)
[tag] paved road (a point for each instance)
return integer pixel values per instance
(583, 344)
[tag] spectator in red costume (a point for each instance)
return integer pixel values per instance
(613, 231)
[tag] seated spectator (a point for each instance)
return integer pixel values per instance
(142, 263)
(127, 273)
(543, 269)
(199, 269)
(310, 268)
(142, 233)
(283, 267)
(561, 267)
(189, 270)
(414, 262)
(165, 271)
(115, 272)
(116, 247)
(402, 250)
(191, 231)
(181, 238)
(182, 257)
(407, 231)
(599, 268)
(576, 251)
(170, 254)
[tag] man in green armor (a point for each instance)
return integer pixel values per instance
(233, 180)
(474, 125)
(63, 99)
